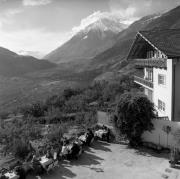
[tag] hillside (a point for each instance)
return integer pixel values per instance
(88, 42)
(116, 54)
(37, 85)
(12, 64)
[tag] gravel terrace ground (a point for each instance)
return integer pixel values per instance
(105, 161)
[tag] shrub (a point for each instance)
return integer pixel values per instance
(33, 132)
(20, 148)
(36, 110)
(56, 133)
(75, 104)
(86, 119)
(4, 115)
(55, 101)
(69, 92)
(134, 113)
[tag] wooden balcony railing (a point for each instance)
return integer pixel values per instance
(151, 62)
(165, 118)
(142, 81)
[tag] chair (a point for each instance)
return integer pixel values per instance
(49, 168)
(55, 158)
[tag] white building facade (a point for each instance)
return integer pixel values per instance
(157, 56)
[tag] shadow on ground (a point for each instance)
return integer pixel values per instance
(150, 152)
(88, 160)
(62, 173)
(59, 173)
(101, 145)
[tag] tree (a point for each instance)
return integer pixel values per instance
(135, 113)
(55, 101)
(36, 109)
(4, 115)
(75, 104)
(69, 92)
(86, 119)
(55, 133)
(111, 91)
(20, 148)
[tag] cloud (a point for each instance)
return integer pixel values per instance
(87, 21)
(36, 54)
(134, 8)
(43, 25)
(11, 12)
(6, 16)
(36, 2)
(58, 15)
(32, 40)
(115, 16)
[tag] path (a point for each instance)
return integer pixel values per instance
(104, 161)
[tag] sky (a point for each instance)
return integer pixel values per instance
(37, 27)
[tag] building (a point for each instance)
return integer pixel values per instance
(157, 56)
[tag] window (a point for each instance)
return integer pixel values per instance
(149, 74)
(161, 105)
(161, 79)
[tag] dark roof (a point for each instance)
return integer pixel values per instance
(167, 41)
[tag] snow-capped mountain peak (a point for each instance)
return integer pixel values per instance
(100, 21)
(95, 34)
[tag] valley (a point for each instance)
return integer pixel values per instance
(89, 89)
(36, 79)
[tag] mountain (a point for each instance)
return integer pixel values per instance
(35, 54)
(12, 64)
(114, 58)
(109, 64)
(88, 42)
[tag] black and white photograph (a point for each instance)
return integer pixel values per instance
(89, 89)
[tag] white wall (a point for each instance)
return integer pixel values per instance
(159, 137)
(149, 93)
(103, 118)
(163, 92)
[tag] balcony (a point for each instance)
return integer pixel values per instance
(165, 118)
(151, 62)
(143, 82)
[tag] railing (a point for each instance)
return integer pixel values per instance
(151, 62)
(143, 81)
(165, 118)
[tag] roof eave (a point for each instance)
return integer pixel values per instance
(134, 41)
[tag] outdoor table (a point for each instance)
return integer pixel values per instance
(69, 147)
(11, 175)
(82, 138)
(79, 142)
(45, 161)
(100, 133)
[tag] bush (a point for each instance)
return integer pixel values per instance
(33, 132)
(36, 110)
(56, 133)
(4, 115)
(55, 102)
(69, 92)
(134, 113)
(20, 149)
(86, 119)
